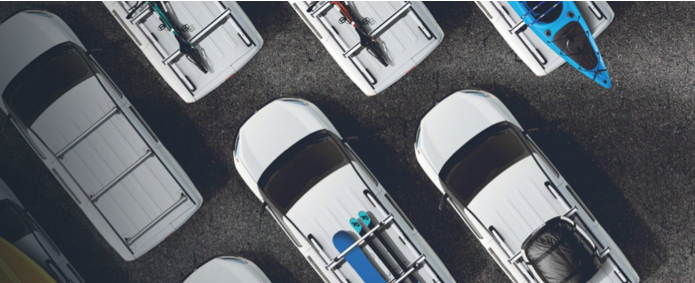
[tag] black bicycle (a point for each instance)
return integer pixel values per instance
(185, 47)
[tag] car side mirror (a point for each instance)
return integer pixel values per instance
(263, 206)
(442, 202)
(532, 131)
(351, 139)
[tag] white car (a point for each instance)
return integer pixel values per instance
(406, 32)
(220, 30)
(19, 228)
(533, 51)
(89, 136)
(326, 200)
(225, 269)
(511, 197)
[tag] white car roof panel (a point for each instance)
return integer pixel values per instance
(516, 202)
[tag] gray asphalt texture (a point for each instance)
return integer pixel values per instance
(628, 151)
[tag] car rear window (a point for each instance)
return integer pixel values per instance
(482, 159)
(44, 80)
(301, 167)
(12, 224)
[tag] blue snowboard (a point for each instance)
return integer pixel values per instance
(562, 27)
(356, 258)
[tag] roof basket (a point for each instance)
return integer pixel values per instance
(386, 224)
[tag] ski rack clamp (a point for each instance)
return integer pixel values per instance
(341, 257)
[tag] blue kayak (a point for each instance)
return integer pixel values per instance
(562, 27)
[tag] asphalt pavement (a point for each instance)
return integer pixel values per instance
(628, 151)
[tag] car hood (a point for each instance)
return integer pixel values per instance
(271, 131)
(516, 203)
(452, 123)
(24, 37)
(327, 207)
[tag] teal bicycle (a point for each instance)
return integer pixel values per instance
(185, 47)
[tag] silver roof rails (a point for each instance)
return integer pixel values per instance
(95, 197)
(387, 223)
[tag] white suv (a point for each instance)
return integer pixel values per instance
(327, 202)
(512, 198)
(89, 136)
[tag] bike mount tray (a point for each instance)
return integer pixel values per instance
(388, 223)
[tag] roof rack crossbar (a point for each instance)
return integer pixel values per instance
(325, 257)
(120, 176)
(343, 46)
(88, 131)
(141, 15)
(324, 6)
(129, 240)
(409, 270)
(206, 31)
(382, 27)
(406, 240)
(527, 43)
(341, 257)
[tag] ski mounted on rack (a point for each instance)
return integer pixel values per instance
(364, 225)
(350, 249)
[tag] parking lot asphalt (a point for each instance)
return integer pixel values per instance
(628, 152)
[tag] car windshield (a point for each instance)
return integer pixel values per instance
(44, 80)
(12, 224)
(301, 167)
(482, 159)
